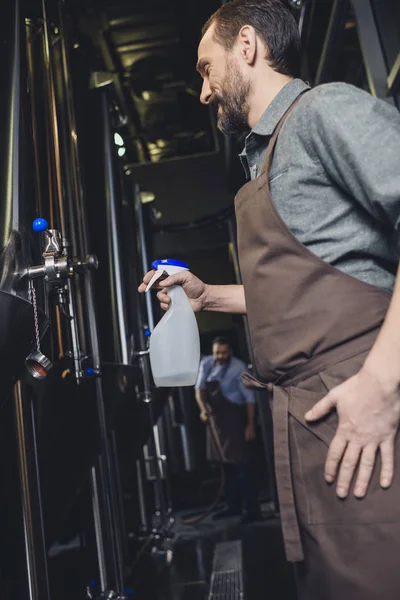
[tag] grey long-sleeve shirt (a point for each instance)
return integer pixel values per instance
(335, 176)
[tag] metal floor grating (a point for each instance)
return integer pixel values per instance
(227, 575)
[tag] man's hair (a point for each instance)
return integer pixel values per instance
(222, 341)
(273, 23)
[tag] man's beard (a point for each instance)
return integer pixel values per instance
(233, 116)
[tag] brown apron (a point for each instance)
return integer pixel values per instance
(225, 434)
(311, 328)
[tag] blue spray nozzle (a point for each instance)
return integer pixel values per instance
(169, 262)
(40, 225)
(89, 372)
(147, 332)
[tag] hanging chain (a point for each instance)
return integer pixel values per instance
(32, 299)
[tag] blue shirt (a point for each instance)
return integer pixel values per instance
(230, 378)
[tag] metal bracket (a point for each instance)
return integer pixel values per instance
(141, 352)
(53, 242)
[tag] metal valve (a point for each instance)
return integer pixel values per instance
(57, 265)
(56, 269)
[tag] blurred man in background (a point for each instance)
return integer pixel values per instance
(229, 410)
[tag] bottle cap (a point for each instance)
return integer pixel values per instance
(169, 262)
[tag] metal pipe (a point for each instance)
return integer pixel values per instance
(119, 499)
(79, 236)
(35, 134)
(81, 244)
(101, 555)
(16, 206)
(114, 244)
(53, 132)
(142, 504)
(76, 349)
(35, 547)
(143, 251)
(108, 498)
(145, 364)
(106, 501)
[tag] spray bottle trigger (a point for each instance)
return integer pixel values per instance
(157, 275)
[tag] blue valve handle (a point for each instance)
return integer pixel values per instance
(40, 225)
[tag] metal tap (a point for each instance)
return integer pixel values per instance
(57, 265)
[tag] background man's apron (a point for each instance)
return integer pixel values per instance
(311, 328)
(228, 423)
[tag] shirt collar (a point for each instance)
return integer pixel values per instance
(279, 105)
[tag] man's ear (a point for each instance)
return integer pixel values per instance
(247, 40)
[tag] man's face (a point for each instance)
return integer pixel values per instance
(224, 85)
(221, 353)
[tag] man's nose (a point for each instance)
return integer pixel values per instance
(205, 92)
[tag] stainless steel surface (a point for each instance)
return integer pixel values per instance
(143, 252)
(185, 448)
(35, 547)
(54, 154)
(155, 463)
(79, 235)
(141, 498)
(66, 168)
(227, 574)
(38, 365)
(159, 455)
(53, 242)
(118, 308)
(101, 558)
(69, 215)
(77, 353)
(110, 529)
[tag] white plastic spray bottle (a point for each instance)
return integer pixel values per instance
(175, 341)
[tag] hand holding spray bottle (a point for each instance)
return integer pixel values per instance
(175, 341)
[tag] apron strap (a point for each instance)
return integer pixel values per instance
(272, 142)
(290, 524)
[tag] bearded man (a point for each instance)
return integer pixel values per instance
(318, 228)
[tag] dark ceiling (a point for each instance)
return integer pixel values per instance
(151, 45)
(149, 48)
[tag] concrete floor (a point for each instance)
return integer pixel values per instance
(267, 575)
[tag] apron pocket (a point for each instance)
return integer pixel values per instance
(316, 500)
(301, 401)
